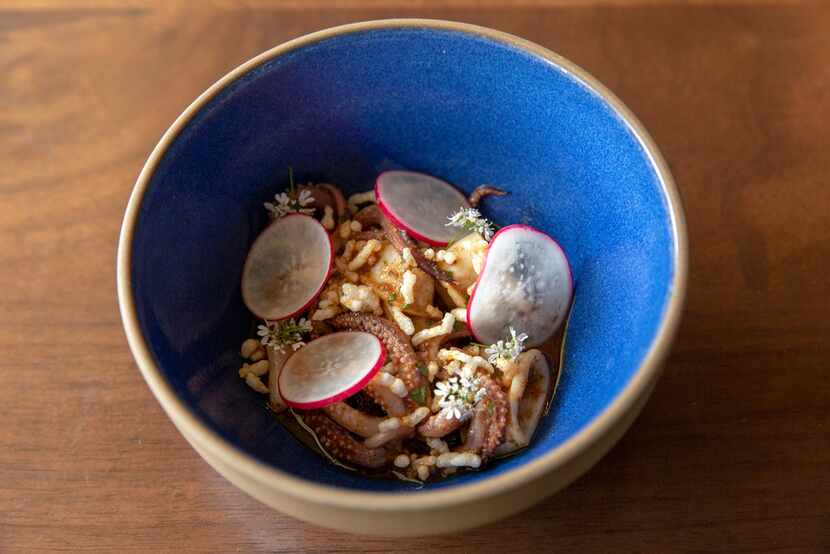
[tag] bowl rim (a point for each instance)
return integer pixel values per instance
(209, 440)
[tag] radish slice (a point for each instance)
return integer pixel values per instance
(330, 369)
(287, 267)
(526, 284)
(419, 204)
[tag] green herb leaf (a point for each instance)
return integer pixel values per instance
(419, 395)
(422, 369)
(490, 408)
(392, 296)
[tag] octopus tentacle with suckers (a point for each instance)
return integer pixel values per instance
(383, 396)
(340, 444)
(353, 419)
(489, 420)
(439, 425)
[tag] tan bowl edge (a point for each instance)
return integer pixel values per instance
(426, 511)
(401, 523)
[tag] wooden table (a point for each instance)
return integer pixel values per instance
(732, 454)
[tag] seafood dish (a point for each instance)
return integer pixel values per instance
(400, 332)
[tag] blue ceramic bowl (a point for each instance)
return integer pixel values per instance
(472, 106)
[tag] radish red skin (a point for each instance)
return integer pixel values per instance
(501, 231)
(342, 395)
(316, 293)
(397, 222)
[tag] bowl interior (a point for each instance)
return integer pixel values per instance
(467, 108)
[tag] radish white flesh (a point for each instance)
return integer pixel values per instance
(525, 284)
(330, 369)
(287, 267)
(419, 204)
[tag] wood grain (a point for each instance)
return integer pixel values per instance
(732, 454)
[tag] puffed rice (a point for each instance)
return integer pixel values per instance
(402, 321)
(360, 298)
(459, 459)
(402, 461)
(413, 419)
(249, 347)
(360, 198)
(345, 230)
(254, 382)
(389, 424)
(443, 328)
(328, 218)
(460, 314)
(259, 368)
(371, 246)
(408, 287)
(432, 311)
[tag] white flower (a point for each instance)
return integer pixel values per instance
(470, 219)
(280, 334)
(285, 204)
(458, 394)
(506, 350)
